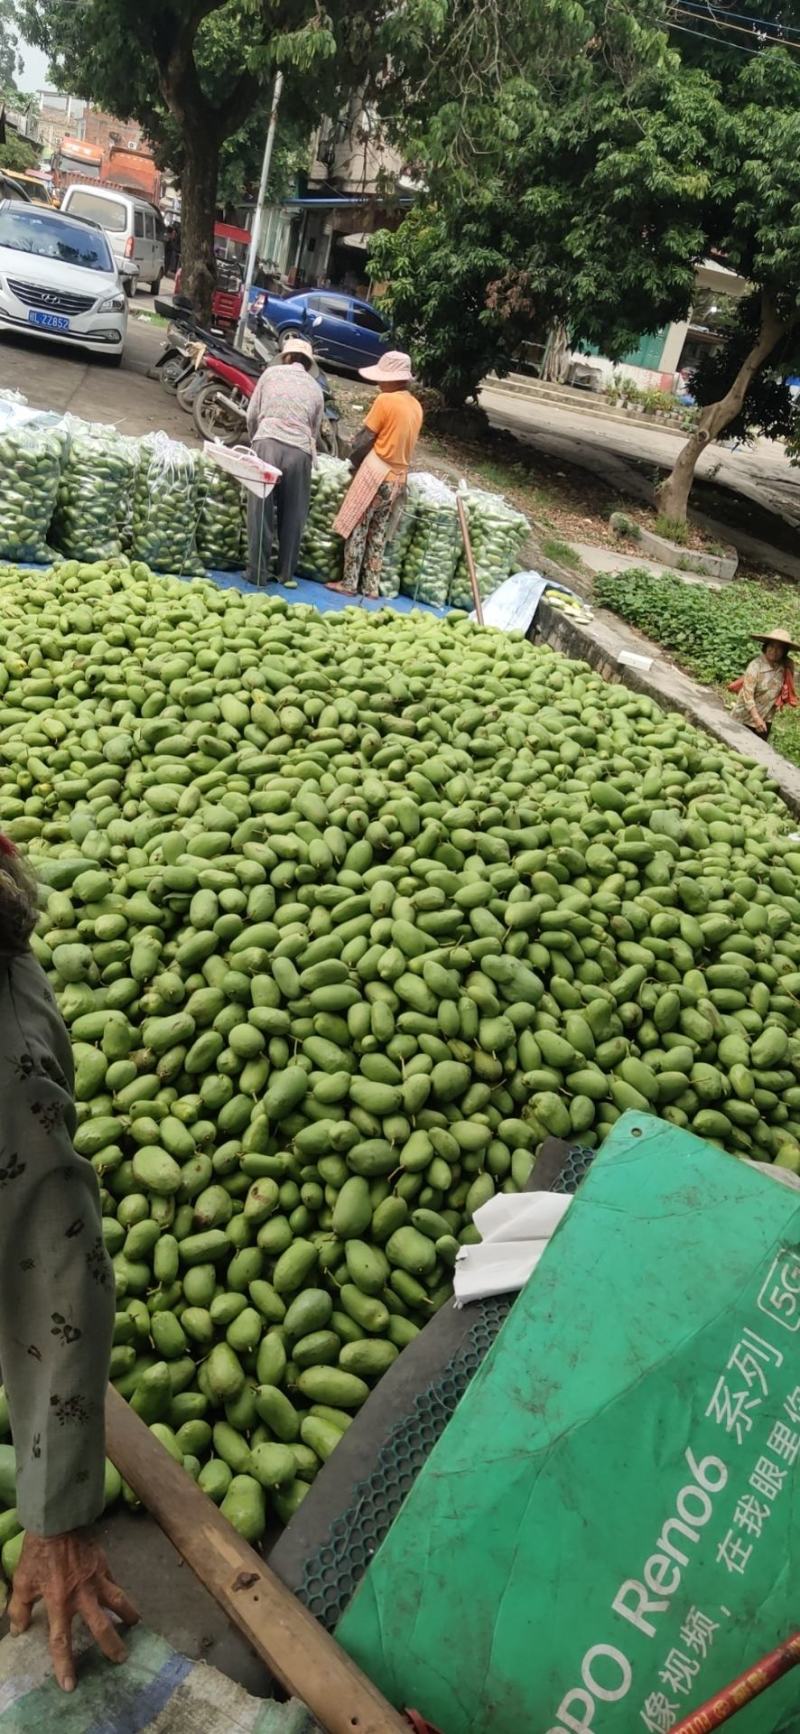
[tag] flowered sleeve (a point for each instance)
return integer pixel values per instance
(748, 692)
(56, 1301)
(256, 405)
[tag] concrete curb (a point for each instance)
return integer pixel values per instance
(637, 486)
(599, 643)
(722, 566)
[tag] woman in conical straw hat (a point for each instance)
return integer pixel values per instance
(767, 683)
(382, 451)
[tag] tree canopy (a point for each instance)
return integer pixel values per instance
(602, 161)
(10, 61)
(193, 72)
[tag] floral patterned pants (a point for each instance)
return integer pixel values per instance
(363, 550)
(56, 1280)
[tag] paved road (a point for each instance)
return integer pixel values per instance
(54, 377)
(756, 490)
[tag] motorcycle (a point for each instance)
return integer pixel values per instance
(193, 377)
(181, 365)
(220, 406)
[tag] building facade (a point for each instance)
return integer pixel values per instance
(662, 358)
(60, 117)
(355, 184)
(106, 130)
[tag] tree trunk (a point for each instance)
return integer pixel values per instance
(198, 210)
(556, 355)
(673, 494)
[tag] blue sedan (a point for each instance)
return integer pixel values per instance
(344, 330)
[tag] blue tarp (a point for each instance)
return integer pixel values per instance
(305, 590)
(327, 601)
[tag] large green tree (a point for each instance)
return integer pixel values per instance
(10, 59)
(750, 218)
(18, 153)
(194, 71)
(444, 291)
(609, 160)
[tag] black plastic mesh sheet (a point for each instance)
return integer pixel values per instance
(331, 1576)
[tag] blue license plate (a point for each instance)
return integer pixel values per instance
(50, 321)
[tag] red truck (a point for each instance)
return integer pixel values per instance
(127, 171)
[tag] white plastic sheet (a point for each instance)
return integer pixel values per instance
(515, 1229)
(513, 605)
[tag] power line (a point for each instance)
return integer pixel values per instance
(706, 10)
(702, 37)
(706, 16)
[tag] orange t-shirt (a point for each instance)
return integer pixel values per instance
(395, 419)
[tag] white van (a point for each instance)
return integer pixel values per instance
(133, 227)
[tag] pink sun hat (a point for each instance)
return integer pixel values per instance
(393, 368)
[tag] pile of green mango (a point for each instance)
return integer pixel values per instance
(344, 913)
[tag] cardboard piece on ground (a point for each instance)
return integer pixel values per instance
(607, 1530)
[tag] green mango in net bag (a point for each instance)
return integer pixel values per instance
(165, 507)
(221, 526)
(497, 531)
(432, 554)
(94, 489)
(31, 455)
(321, 549)
(398, 545)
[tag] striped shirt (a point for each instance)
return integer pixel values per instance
(286, 405)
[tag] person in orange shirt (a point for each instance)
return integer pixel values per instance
(382, 452)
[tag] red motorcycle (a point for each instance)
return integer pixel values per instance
(220, 406)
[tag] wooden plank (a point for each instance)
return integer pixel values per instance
(470, 558)
(295, 1648)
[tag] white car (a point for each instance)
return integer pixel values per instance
(59, 280)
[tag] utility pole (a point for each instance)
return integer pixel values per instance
(259, 210)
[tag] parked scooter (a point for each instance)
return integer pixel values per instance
(193, 377)
(220, 407)
(181, 367)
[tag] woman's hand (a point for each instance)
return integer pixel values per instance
(70, 1574)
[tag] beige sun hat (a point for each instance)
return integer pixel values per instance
(298, 346)
(394, 368)
(776, 637)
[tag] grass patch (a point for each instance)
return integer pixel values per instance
(672, 529)
(562, 553)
